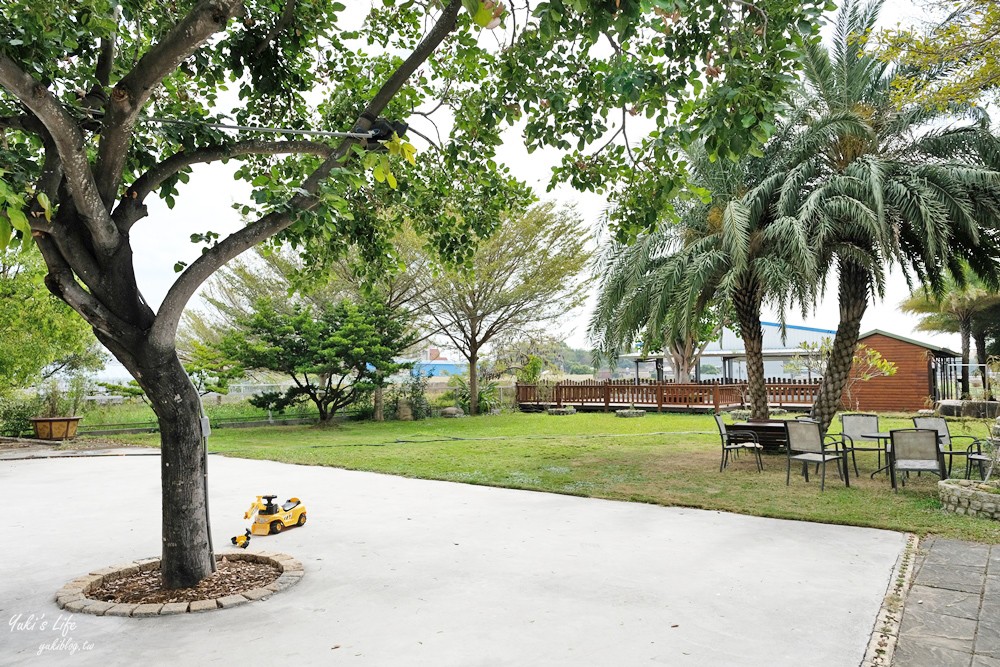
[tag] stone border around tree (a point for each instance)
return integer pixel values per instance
(960, 496)
(73, 596)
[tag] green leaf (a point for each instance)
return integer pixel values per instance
(19, 221)
(43, 199)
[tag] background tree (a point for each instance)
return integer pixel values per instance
(522, 277)
(878, 186)
(955, 309)
(333, 355)
(41, 335)
(954, 57)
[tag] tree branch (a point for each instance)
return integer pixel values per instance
(287, 14)
(131, 93)
(69, 142)
(165, 328)
(131, 208)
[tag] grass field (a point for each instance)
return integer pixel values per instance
(668, 459)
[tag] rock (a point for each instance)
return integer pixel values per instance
(452, 412)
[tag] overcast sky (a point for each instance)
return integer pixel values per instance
(204, 204)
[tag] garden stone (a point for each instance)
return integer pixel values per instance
(452, 412)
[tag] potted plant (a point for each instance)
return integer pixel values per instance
(58, 420)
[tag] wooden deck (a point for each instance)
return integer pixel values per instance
(659, 396)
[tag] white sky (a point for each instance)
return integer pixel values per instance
(205, 204)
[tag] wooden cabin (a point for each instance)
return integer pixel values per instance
(923, 372)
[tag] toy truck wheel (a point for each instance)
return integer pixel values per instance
(277, 526)
(302, 519)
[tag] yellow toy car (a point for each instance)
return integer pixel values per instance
(270, 518)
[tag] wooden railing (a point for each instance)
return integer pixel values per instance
(661, 394)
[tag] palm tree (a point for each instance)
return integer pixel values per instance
(955, 310)
(730, 250)
(878, 186)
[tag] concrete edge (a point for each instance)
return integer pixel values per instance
(882, 644)
(72, 597)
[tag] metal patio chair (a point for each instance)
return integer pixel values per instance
(807, 444)
(734, 441)
(915, 450)
(856, 427)
(972, 452)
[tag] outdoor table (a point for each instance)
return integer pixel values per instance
(770, 434)
(883, 438)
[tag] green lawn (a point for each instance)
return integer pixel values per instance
(667, 459)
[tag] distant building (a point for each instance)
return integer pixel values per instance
(431, 363)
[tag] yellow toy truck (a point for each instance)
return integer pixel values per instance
(268, 517)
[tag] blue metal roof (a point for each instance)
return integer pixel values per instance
(799, 328)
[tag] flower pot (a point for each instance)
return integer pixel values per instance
(55, 428)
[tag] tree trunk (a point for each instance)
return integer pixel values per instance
(747, 306)
(965, 329)
(853, 297)
(378, 399)
(980, 339)
(473, 383)
(187, 556)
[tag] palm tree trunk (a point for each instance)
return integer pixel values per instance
(980, 339)
(853, 296)
(747, 305)
(965, 329)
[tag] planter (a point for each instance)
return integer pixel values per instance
(562, 411)
(55, 428)
(971, 497)
(630, 413)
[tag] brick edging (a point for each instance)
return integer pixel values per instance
(73, 596)
(882, 644)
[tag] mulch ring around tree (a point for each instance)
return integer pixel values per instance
(231, 577)
(135, 589)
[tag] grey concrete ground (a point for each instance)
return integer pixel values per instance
(414, 572)
(952, 614)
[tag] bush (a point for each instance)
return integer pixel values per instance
(413, 391)
(16, 414)
(489, 394)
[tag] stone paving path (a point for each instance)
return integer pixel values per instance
(952, 613)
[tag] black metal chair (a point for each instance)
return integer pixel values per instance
(855, 427)
(915, 450)
(972, 452)
(807, 444)
(734, 441)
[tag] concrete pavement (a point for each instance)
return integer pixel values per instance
(413, 572)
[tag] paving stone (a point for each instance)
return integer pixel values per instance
(988, 635)
(63, 600)
(992, 588)
(945, 631)
(172, 608)
(967, 579)
(76, 606)
(98, 607)
(121, 610)
(958, 553)
(143, 610)
(943, 601)
(912, 653)
(232, 601)
(985, 661)
(203, 605)
(257, 594)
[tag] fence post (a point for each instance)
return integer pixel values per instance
(607, 394)
(659, 398)
(558, 394)
(715, 398)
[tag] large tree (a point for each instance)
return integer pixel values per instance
(877, 186)
(523, 277)
(732, 250)
(105, 102)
